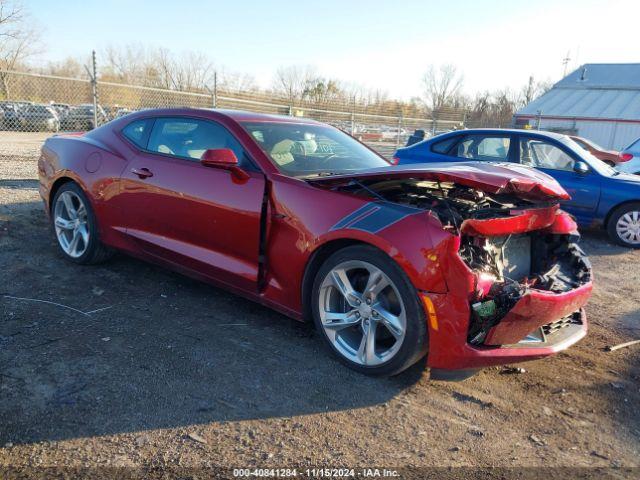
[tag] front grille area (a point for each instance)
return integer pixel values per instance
(553, 327)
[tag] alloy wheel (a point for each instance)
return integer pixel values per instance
(71, 224)
(362, 313)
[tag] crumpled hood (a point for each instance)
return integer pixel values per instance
(519, 180)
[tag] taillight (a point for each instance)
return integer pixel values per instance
(625, 157)
(395, 161)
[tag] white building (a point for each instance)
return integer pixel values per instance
(598, 101)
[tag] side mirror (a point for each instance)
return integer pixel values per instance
(581, 167)
(223, 158)
(219, 158)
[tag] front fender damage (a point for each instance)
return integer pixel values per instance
(512, 264)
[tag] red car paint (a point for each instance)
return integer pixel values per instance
(494, 178)
(534, 310)
(612, 157)
(448, 346)
(519, 222)
(206, 223)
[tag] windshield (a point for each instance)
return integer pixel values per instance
(584, 143)
(635, 143)
(299, 149)
(597, 164)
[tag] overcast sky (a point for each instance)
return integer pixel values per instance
(379, 44)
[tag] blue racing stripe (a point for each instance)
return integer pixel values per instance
(366, 209)
(375, 217)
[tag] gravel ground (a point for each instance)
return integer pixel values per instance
(169, 372)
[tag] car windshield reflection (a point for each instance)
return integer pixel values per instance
(299, 149)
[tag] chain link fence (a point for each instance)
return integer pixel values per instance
(34, 102)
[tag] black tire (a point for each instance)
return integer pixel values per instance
(414, 345)
(616, 215)
(96, 252)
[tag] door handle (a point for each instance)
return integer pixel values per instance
(142, 172)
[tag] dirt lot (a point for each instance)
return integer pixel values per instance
(172, 372)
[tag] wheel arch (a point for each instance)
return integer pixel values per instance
(607, 217)
(63, 180)
(315, 261)
(56, 186)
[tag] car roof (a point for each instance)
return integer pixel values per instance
(235, 115)
(245, 116)
(469, 131)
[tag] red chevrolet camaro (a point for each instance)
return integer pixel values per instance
(471, 264)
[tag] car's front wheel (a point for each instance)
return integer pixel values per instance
(75, 226)
(624, 225)
(368, 312)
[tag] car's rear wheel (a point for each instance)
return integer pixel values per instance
(368, 311)
(624, 225)
(75, 226)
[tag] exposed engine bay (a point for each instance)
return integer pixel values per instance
(518, 263)
(451, 203)
(506, 266)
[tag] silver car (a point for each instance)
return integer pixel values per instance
(38, 118)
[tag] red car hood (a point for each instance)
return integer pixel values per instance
(523, 181)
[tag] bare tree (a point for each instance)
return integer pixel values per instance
(158, 67)
(236, 81)
(533, 90)
(441, 85)
(324, 91)
(126, 64)
(188, 71)
(69, 67)
(293, 81)
(18, 39)
(493, 109)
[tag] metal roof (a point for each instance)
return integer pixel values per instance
(595, 91)
(603, 75)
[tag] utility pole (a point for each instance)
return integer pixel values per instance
(529, 90)
(214, 92)
(565, 63)
(353, 115)
(93, 75)
(399, 129)
(215, 89)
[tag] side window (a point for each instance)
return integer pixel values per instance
(189, 138)
(482, 147)
(138, 132)
(540, 154)
(443, 146)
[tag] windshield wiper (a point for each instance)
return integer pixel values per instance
(319, 174)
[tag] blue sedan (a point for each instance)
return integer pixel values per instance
(600, 196)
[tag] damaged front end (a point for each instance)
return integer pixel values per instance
(525, 277)
(516, 275)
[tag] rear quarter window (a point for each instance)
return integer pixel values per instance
(443, 146)
(138, 132)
